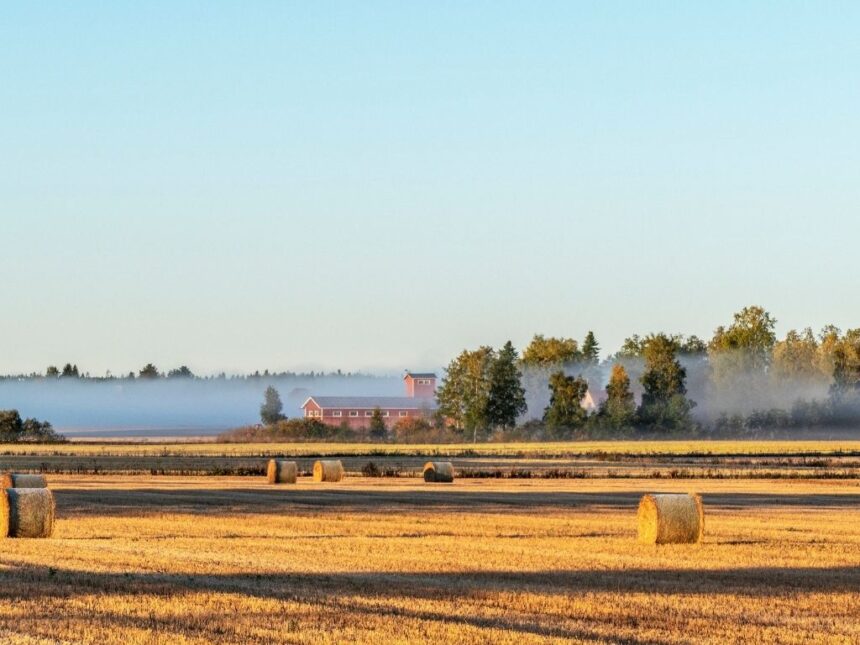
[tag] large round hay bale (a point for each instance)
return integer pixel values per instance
(439, 471)
(328, 470)
(282, 472)
(27, 512)
(22, 480)
(671, 518)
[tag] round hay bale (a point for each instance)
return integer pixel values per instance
(671, 518)
(328, 470)
(439, 471)
(27, 512)
(282, 472)
(22, 480)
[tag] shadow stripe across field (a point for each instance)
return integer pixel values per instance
(109, 501)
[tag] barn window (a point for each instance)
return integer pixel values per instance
(353, 413)
(385, 414)
(403, 413)
(337, 413)
(368, 413)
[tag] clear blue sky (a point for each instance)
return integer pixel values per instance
(379, 185)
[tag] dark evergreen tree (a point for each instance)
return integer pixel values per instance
(70, 370)
(149, 371)
(590, 349)
(507, 398)
(664, 402)
(180, 372)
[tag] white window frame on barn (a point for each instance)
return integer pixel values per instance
(385, 414)
(368, 413)
(403, 413)
(337, 413)
(353, 413)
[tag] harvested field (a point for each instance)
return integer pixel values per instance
(630, 459)
(536, 449)
(231, 560)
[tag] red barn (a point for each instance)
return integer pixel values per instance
(357, 411)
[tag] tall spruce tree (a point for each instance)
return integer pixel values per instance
(507, 398)
(590, 349)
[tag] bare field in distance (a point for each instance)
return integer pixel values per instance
(141, 559)
(637, 459)
(537, 449)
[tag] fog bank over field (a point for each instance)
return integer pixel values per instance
(746, 392)
(176, 406)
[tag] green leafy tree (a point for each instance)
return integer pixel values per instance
(11, 426)
(828, 340)
(633, 347)
(149, 371)
(744, 347)
(691, 346)
(13, 429)
(618, 411)
(270, 411)
(377, 425)
(796, 357)
(590, 349)
(35, 431)
(846, 372)
(565, 411)
(664, 402)
(465, 391)
(551, 352)
(507, 398)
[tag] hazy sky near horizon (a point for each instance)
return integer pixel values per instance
(375, 186)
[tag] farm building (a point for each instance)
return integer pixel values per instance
(357, 411)
(593, 399)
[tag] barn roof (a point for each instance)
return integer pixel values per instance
(371, 402)
(420, 375)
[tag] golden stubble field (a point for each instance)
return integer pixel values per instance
(140, 559)
(539, 449)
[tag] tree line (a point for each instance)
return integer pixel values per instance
(14, 429)
(803, 380)
(151, 372)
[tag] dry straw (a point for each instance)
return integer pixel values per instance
(671, 519)
(439, 471)
(27, 512)
(19, 480)
(282, 472)
(328, 471)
